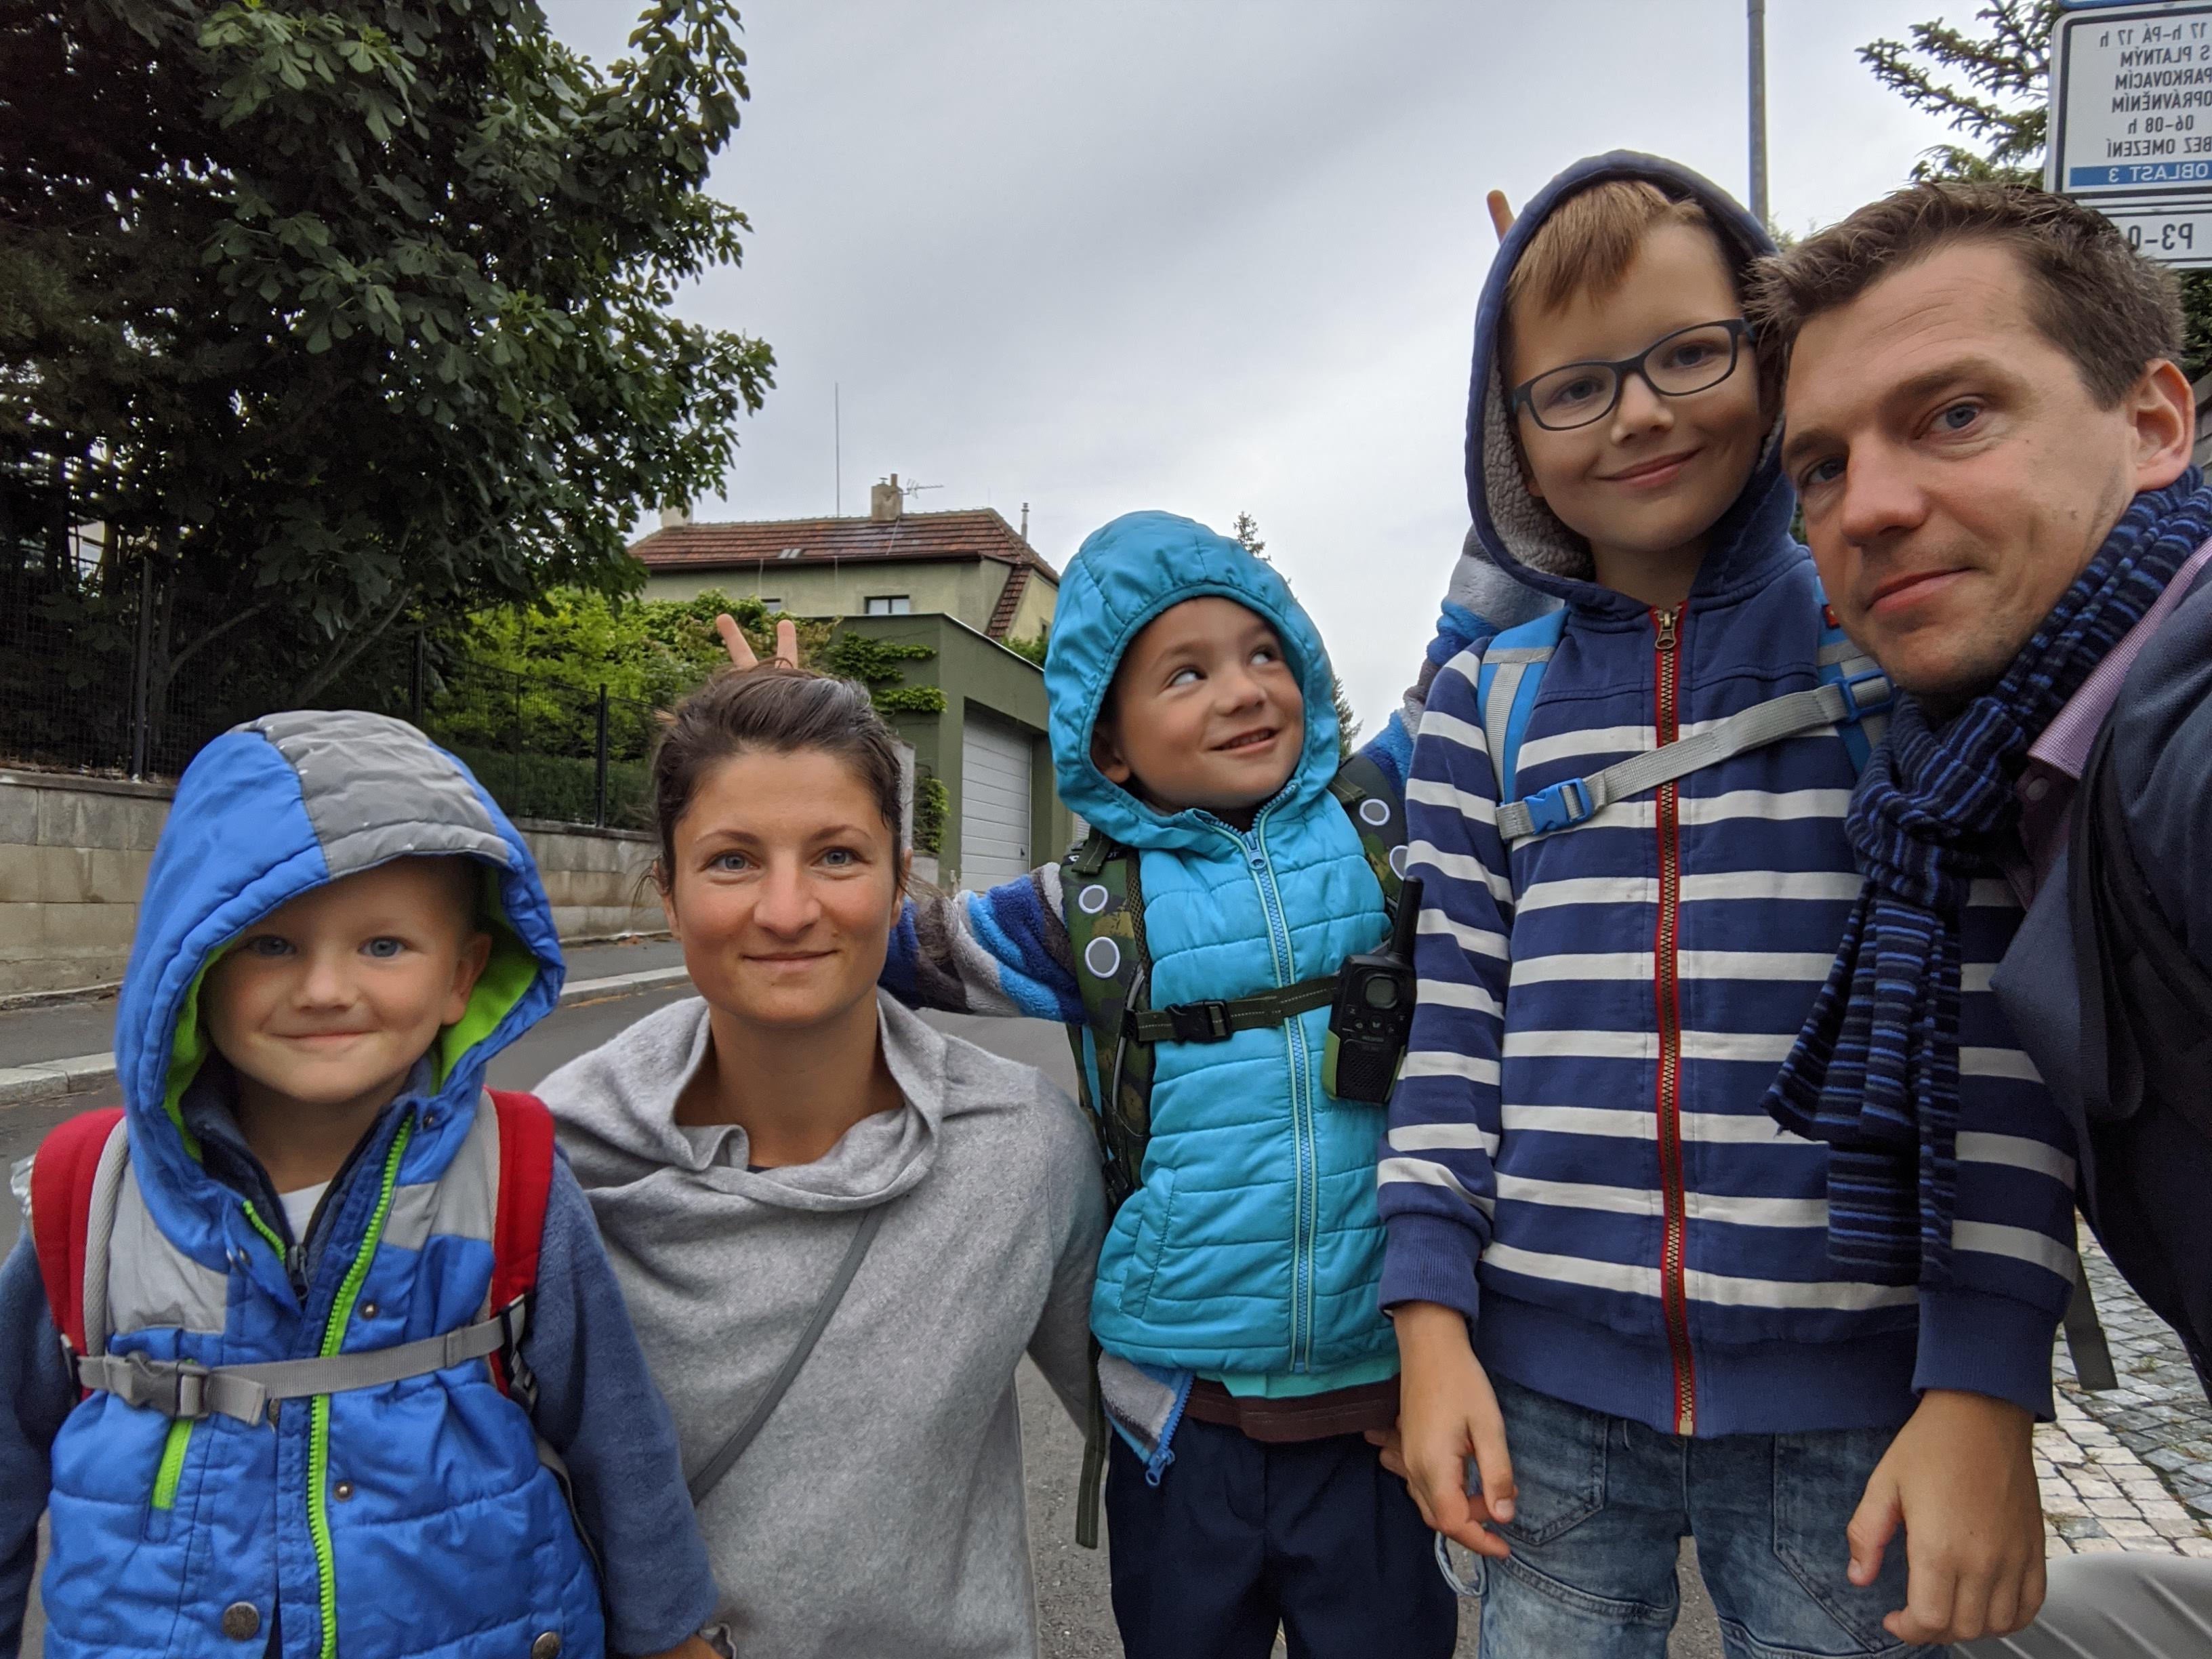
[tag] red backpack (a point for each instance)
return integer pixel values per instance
(64, 1187)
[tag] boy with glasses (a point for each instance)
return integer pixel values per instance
(1628, 816)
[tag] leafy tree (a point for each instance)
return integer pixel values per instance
(342, 313)
(1246, 531)
(1991, 87)
(1034, 646)
(1347, 723)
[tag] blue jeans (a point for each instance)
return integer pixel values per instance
(1605, 1503)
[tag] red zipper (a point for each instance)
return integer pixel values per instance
(1667, 675)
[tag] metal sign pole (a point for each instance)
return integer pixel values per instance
(1755, 15)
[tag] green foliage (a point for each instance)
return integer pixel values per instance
(875, 664)
(650, 650)
(1246, 531)
(932, 801)
(559, 787)
(348, 310)
(1992, 88)
(1347, 723)
(1033, 647)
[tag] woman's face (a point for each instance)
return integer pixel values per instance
(784, 890)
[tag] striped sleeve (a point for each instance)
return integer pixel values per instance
(1001, 953)
(1436, 1184)
(1988, 1330)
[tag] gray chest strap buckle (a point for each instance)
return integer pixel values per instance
(186, 1390)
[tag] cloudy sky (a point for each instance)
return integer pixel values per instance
(1210, 255)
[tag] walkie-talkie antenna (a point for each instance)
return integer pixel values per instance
(1407, 918)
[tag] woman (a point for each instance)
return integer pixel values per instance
(746, 1149)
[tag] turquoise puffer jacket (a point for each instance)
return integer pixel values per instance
(1253, 1245)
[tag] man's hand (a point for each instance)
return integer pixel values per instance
(1447, 1414)
(741, 650)
(695, 1647)
(1961, 1478)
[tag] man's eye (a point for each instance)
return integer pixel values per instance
(383, 950)
(1819, 472)
(1958, 416)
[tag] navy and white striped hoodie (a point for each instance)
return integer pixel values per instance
(1578, 1157)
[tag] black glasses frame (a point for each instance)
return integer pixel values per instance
(1524, 395)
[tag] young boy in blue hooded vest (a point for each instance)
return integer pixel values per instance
(1244, 1356)
(284, 1433)
(1682, 1327)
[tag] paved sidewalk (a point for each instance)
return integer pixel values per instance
(2129, 1469)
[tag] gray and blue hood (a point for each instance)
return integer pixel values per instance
(270, 811)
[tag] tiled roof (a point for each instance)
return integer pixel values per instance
(969, 533)
(1010, 601)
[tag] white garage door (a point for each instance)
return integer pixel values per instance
(995, 803)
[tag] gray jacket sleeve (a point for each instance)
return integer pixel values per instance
(1061, 1345)
(598, 1408)
(36, 1393)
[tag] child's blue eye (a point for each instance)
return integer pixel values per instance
(1183, 676)
(1567, 395)
(383, 950)
(268, 946)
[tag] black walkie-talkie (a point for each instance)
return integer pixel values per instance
(1373, 1013)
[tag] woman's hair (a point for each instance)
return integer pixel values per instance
(787, 710)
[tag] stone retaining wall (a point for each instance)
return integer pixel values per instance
(74, 853)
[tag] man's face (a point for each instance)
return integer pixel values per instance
(1955, 472)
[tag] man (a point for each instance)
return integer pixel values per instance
(1991, 441)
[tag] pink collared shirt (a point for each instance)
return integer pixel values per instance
(2052, 775)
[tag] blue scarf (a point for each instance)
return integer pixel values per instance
(1875, 1070)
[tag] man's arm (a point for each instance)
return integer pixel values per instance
(36, 1394)
(1960, 1477)
(598, 1408)
(1002, 952)
(1436, 1182)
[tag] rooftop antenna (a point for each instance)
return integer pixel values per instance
(910, 488)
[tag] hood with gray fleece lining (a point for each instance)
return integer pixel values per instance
(1519, 558)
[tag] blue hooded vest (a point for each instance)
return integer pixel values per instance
(414, 1517)
(1253, 1245)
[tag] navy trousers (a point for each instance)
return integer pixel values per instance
(1239, 1537)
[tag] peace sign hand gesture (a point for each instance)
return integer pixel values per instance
(741, 651)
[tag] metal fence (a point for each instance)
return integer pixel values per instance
(82, 691)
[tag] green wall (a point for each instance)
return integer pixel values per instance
(972, 672)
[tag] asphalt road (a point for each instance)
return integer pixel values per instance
(1072, 1606)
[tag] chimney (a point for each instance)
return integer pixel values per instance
(673, 516)
(885, 500)
(1025, 521)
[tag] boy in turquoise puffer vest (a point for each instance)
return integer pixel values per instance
(298, 1344)
(1193, 727)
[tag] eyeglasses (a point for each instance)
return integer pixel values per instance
(1581, 394)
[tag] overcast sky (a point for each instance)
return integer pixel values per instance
(1208, 256)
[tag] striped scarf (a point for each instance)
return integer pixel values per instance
(1876, 1071)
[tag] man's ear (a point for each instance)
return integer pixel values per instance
(1106, 755)
(2162, 407)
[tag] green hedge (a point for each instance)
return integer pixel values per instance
(557, 788)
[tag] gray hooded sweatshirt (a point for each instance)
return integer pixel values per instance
(881, 1509)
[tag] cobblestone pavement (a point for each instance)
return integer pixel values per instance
(2129, 1469)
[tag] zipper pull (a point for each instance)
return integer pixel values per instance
(295, 1268)
(1666, 621)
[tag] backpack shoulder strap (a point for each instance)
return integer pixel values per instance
(525, 1177)
(1841, 663)
(65, 1186)
(1377, 807)
(1853, 693)
(1512, 670)
(1102, 902)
